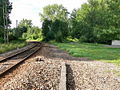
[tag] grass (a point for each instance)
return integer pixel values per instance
(10, 46)
(92, 51)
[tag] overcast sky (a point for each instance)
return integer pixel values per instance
(30, 9)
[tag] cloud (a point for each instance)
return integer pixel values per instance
(30, 9)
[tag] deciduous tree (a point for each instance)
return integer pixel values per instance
(55, 22)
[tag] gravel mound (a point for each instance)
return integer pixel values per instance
(41, 75)
(89, 75)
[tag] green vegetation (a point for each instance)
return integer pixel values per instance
(96, 21)
(11, 46)
(92, 51)
(116, 61)
(26, 31)
(22, 27)
(33, 33)
(55, 23)
(5, 10)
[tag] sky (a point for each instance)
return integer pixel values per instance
(30, 9)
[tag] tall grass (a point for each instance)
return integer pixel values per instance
(11, 46)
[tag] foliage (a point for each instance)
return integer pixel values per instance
(55, 23)
(23, 27)
(97, 21)
(5, 10)
(54, 12)
(46, 30)
(26, 31)
(5, 7)
(25, 24)
(71, 39)
(33, 33)
(92, 51)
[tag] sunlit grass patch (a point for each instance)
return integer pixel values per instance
(113, 61)
(92, 51)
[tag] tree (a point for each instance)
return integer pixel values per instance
(60, 29)
(54, 12)
(97, 21)
(80, 27)
(47, 31)
(114, 17)
(25, 24)
(23, 27)
(5, 10)
(55, 22)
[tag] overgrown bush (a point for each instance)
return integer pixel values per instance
(33, 33)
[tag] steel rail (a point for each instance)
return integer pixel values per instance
(10, 63)
(19, 52)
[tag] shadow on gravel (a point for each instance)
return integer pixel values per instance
(70, 78)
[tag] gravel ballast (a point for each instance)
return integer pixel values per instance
(92, 75)
(40, 75)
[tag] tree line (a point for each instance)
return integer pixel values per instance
(96, 21)
(24, 31)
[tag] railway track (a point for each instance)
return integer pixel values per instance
(16, 52)
(10, 62)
